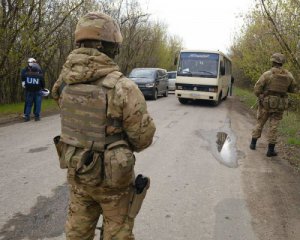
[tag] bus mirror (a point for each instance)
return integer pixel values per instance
(222, 69)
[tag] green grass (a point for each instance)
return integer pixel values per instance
(245, 96)
(294, 141)
(17, 108)
(289, 126)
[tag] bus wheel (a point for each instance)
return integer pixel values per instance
(183, 100)
(217, 102)
(226, 94)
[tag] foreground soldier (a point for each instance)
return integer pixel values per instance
(271, 90)
(104, 119)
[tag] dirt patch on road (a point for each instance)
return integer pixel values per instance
(271, 185)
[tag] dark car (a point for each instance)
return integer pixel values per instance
(151, 81)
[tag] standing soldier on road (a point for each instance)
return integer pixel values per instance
(271, 90)
(104, 119)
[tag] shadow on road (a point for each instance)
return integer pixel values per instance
(45, 220)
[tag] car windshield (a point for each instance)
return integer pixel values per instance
(198, 64)
(142, 73)
(171, 75)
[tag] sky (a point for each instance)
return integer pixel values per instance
(205, 25)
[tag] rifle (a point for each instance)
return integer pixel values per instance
(255, 104)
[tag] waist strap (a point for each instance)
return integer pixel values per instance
(278, 94)
(114, 138)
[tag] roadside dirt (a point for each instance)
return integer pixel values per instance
(270, 184)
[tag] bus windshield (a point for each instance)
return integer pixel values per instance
(196, 64)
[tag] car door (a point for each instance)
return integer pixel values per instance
(165, 80)
(159, 81)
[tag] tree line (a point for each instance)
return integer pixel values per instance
(271, 26)
(44, 30)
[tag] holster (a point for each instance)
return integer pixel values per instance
(60, 148)
(141, 186)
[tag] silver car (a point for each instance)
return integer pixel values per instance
(172, 79)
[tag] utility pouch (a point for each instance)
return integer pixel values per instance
(119, 164)
(141, 186)
(270, 103)
(283, 103)
(89, 170)
(275, 103)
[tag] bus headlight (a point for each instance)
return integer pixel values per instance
(149, 85)
(179, 87)
(213, 89)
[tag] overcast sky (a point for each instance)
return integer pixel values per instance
(208, 24)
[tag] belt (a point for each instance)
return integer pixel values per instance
(114, 138)
(278, 94)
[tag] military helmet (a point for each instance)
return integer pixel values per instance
(98, 26)
(278, 58)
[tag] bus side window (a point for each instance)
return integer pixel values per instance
(222, 68)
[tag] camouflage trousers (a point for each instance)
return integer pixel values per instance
(87, 203)
(262, 117)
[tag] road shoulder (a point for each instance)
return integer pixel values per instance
(271, 185)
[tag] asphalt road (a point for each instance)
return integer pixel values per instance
(205, 182)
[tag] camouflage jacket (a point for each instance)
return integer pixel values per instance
(264, 83)
(125, 101)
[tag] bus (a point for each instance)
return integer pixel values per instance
(204, 75)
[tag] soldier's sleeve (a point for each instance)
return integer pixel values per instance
(260, 85)
(137, 123)
(293, 86)
(56, 88)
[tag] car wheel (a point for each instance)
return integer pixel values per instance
(154, 96)
(183, 100)
(166, 93)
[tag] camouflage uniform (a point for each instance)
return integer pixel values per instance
(271, 90)
(106, 188)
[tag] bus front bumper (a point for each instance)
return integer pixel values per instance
(213, 96)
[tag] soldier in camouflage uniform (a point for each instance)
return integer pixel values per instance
(104, 120)
(271, 90)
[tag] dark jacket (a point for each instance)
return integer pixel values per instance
(33, 78)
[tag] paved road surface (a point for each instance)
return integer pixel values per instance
(205, 183)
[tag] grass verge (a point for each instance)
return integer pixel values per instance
(48, 105)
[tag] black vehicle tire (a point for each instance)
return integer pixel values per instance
(166, 93)
(226, 95)
(217, 102)
(154, 96)
(183, 100)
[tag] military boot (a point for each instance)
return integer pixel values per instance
(271, 152)
(253, 143)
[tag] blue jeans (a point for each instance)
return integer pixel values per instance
(33, 98)
(25, 104)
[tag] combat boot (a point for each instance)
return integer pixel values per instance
(271, 152)
(253, 143)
